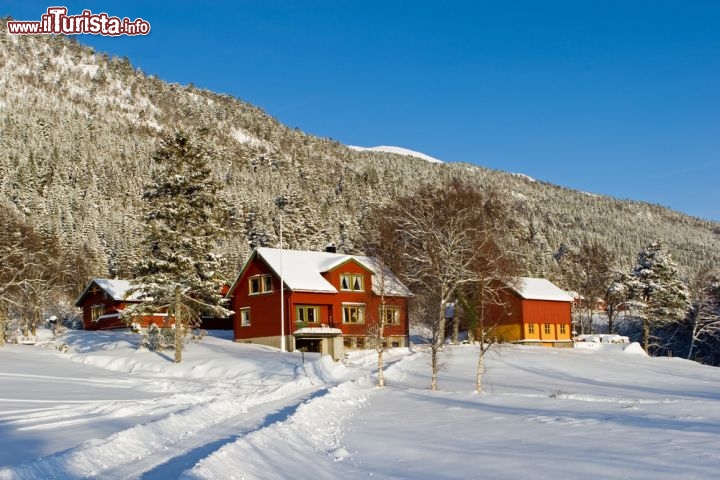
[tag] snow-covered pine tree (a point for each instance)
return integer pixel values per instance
(182, 224)
(657, 294)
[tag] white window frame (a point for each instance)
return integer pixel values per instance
(349, 279)
(96, 311)
(264, 284)
(244, 317)
(394, 318)
(306, 308)
(359, 307)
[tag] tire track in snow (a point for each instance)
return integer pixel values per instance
(160, 468)
(132, 452)
(280, 450)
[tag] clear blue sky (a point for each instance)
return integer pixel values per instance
(613, 97)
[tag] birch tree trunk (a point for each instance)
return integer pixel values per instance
(381, 374)
(3, 323)
(480, 370)
(434, 367)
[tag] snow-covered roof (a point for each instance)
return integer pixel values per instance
(116, 289)
(540, 289)
(107, 316)
(302, 270)
(386, 282)
(327, 331)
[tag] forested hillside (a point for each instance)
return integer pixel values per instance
(78, 128)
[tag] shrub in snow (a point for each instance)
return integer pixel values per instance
(157, 339)
(135, 327)
(14, 330)
(197, 334)
(59, 330)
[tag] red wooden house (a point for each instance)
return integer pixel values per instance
(103, 299)
(535, 312)
(101, 303)
(328, 300)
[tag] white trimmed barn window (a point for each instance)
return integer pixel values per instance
(244, 317)
(96, 311)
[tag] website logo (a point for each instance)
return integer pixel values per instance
(57, 22)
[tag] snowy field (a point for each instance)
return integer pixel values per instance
(107, 410)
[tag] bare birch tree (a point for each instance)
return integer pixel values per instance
(704, 314)
(616, 295)
(375, 322)
(586, 270)
(10, 282)
(435, 240)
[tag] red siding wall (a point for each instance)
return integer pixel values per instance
(545, 311)
(508, 314)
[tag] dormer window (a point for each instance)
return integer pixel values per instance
(260, 284)
(351, 282)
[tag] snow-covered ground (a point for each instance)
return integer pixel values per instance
(107, 410)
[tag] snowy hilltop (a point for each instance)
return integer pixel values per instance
(398, 150)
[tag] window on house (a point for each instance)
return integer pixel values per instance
(307, 314)
(260, 284)
(244, 317)
(394, 342)
(352, 282)
(96, 311)
(547, 329)
(360, 342)
(353, 313)
(391, 314)
(531, 328)
(348, 342)
(562, 328)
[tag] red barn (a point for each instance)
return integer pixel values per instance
(535, 312)
(328, 299)
(103, 299)
(101, 303)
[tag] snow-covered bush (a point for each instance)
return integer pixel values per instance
(156, 339)
(59, 330)
(198, 334)
(66, 314)
(14, 330)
